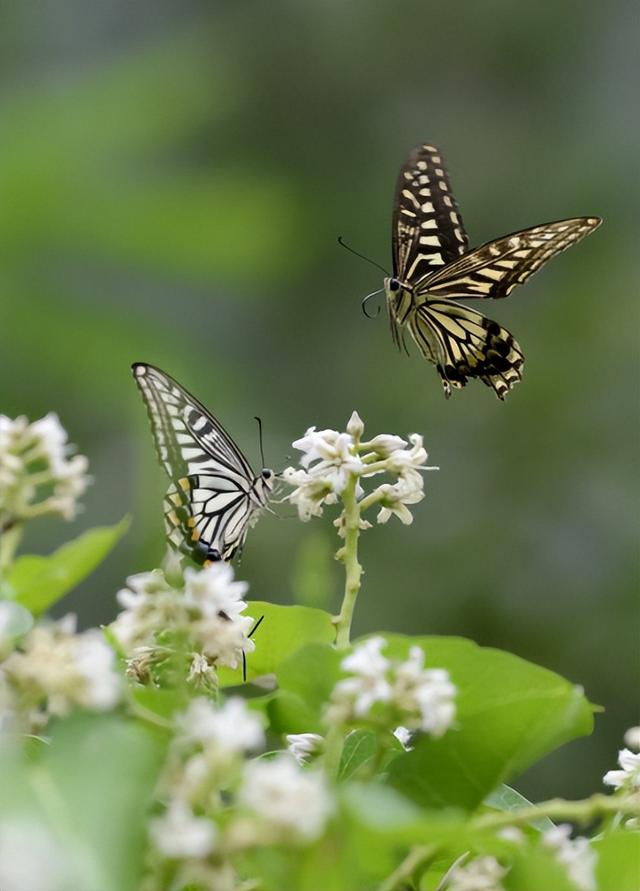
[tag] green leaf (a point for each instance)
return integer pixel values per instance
(305, 682)
(38, 582)
(618, 865)
(509, 714)
(504, 798)
(537, 869)
(90, 789)
(283, 631)
(360, 747)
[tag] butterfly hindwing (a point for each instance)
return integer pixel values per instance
(463, 344)
(494, 269)
(214, 493)
(427, 228)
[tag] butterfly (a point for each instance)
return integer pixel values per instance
(433, 267)
(214, 496)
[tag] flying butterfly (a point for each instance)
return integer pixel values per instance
(214, 496)
(433, 267)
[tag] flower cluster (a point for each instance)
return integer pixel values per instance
(331, 461)
(479, 874)
(627, 778)
(56, 669)
(575, 855)
(273, 800)
(396, 693)
(38, 472)
(206, 616)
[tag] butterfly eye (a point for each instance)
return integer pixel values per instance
(267, 474)
(394, 284)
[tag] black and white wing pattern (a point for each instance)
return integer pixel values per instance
(432, 267)
(214, 495)
(427, 230)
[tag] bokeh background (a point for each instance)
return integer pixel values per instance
(173, 177)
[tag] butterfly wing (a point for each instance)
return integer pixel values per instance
(494, 269)
(213, 495)
(463, 344)
(427, 229)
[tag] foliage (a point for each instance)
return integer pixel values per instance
(379, 763)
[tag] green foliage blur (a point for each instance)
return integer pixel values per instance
(173, 178)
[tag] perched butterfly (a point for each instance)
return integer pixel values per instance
(214, 496)
(432, 266)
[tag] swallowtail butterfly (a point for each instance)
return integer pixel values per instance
(214, 496)
(433, 266)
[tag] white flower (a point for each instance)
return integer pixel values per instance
(31, 859)
(37, 476)
(576, 855)
(632, 738)
(214, 591)
(293, 802)
(512, 834)
(403, 735)
(629, 776)
(394, 498)
(302, 745)
(480, 874)
(65, 669)
(384, 444)
(427, 694)
(209, 611)
(232, 727)
(309, 494)
(181, 835)
(356, 695)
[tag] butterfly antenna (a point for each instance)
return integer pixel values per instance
(366, 299)
(244, 657)
(362, 256)
(259, 420)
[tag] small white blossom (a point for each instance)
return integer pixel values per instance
(403, 735)
(629, 775)
(233, 727)
(394, 499)
(181, 835)
(37, 474)
(62, 669)
(213, 590)
(303, 745)
(576, 855)
(384, 444)
(368, 685)
(512, 834)
(293, 803)
(632, 738)
(31, 859)
(428, 694)
(480, 874)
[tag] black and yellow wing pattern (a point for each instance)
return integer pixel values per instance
(214, 494)
(433, 267)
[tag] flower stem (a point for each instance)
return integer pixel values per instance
(349, 556)
(9, 540)
(558, 809)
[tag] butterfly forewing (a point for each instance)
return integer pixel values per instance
(427, 227)
(214, 493)
(494, 269)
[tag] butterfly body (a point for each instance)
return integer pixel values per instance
(433, 268)
(214, 497)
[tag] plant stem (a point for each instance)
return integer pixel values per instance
(349, 556)
(9, 541)
(558, 809)
(418, 856)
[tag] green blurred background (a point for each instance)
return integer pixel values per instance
(173, 177)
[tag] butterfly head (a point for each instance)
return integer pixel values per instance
(399, 304)
(264, 484)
